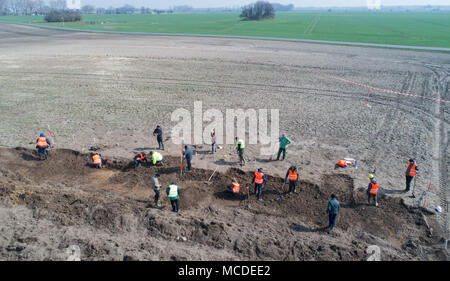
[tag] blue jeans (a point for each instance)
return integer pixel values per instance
(188, 160)
(213, 148)
(258, 190)
(332, 218)
(157, 195)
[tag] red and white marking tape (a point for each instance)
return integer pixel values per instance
(360, 84)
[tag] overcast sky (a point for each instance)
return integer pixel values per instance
(164, 4)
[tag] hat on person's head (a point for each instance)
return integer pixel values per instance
(173, 182)
(260, 170)
(411, 160)
(42, 135)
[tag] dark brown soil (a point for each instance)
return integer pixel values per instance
(115, 203)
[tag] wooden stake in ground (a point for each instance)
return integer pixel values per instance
(181, 161)
(51, 135)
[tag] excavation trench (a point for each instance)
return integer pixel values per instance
(117, 199)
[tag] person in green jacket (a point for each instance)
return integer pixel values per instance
(173, 192)
(284, 141)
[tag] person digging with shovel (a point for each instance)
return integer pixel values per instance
(42, 144)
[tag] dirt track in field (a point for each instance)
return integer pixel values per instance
(111, 90)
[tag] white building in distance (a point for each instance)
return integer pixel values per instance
(373, 4)
(73, 4)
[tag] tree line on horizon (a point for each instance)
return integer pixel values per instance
(42, 7)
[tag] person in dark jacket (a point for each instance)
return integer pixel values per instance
(188, 154)
(173, 193)
(332, 211)
(139, 159)
(42, 143)
(159, 136)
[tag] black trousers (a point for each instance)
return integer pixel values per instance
(408, 182)
(160, 143)
(292, 186)
(175, 206)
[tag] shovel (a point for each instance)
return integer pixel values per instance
(248, 198)
(414, 188)
(279, 192)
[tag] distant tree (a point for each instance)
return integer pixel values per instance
(62, 16)
(182, 8)
(145, 10)
(282, 8)
(4, 7)
(100, 11)
(126, 9)
(258, 11)
(88, 9)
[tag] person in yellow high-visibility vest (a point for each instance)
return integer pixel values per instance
(240, 146)
(156, 158)
(173, 193)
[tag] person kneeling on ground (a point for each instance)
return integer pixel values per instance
(372, 189)
(341, 164)
(139, 159)
(97, 160)
(156, 158)
(234, 187)
(42, 143)
(173, 193)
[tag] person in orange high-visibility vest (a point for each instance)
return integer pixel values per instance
(259, 179)
(410, 173)
(234, 187)
(372, 189)
(42, 143)
(97, 160)
(139, 159)
(293, 177)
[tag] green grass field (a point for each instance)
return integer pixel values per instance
(430, 29)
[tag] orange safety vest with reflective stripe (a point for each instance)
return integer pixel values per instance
(259, 178)
(342, 163)
(412, 171)
(293, 175)
(42, 141)
(236, 187)
(96, 159)
(374, 188)
(141, 156)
